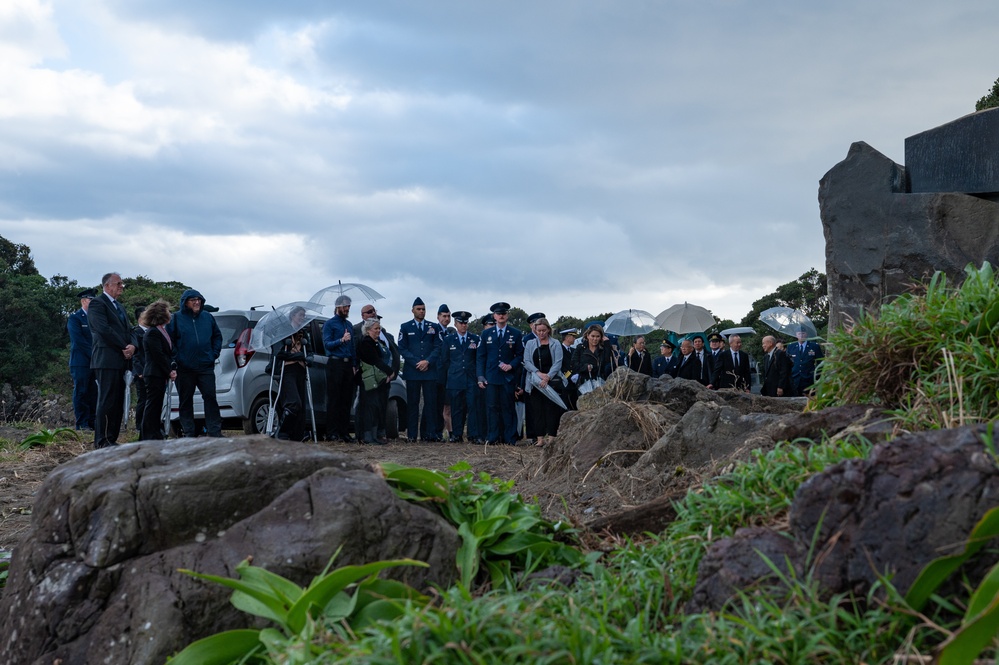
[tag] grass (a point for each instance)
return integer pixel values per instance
(931, 357)
(628, 608)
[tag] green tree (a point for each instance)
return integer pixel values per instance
(141, 291)
(990, 100)
(33, 314)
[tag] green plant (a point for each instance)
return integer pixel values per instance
(4, 567)
(931, 358)
(980, 623)
(499, 531)
(295, 610)
(47, 437)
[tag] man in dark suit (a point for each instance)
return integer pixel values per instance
(80, 345)
(733, 367)
(419, 346)
(776, 370)
(689, 367)
(500, 355)
(112, 350)
(701, 353)
(805, 359)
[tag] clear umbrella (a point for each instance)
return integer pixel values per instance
(548, 392)
(630, 322)
(284, 321)
(685, 318)
(327, 296)
(274, 327)
(788, 321)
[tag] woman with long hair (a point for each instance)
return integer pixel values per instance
(157, 372)
(593, 360)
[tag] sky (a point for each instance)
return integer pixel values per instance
(567, 157)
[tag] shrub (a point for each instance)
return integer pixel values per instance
(931, 358)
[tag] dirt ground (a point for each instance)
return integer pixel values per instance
(21, 474)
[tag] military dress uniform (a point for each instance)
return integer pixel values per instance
(420, 340)
(805, 358)
(84, 383)
(462, 387)
(500, 346)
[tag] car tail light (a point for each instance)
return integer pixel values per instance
(243, 352)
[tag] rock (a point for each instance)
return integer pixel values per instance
(588, 435)
(96, 579)
(740, 562)
(880, 239)
(915, 499)
(959, 156)
(651, 517)
(838, 422)
(709, 432)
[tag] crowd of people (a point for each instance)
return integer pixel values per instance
(501, 386)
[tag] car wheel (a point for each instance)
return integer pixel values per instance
(392, 419)
(257, 422)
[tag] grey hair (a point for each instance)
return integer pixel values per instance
(107, 278)
(369, 324)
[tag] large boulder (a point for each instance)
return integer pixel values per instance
(881, 239)
(916, 498)
(97, 581)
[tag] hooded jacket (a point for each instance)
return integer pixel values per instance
(197, 340)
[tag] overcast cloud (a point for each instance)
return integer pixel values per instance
(567, 157)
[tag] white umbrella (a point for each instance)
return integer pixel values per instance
(685, 318)
(788, 321)
(283, 322)
(327, 296)
(630, 322)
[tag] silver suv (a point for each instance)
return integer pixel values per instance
(242, 379)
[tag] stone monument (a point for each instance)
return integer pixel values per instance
(889, 227)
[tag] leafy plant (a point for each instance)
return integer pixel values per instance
(295, 610)
(4, 567)
(47, 437)
(499, 531)
(980, 623)
(932, 358)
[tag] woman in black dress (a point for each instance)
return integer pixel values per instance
(543, 368)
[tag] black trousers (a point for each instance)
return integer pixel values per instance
(291, 403)
(110, 406)
(340, 387)
(545, 413)
(152, 412)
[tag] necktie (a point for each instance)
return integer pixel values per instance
(120, 312)
(735, 358)
(461, 340)
(802, 345)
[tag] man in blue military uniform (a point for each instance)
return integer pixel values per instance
(419, 346)
(341, 361)
(462, 388)
(666, 364)
(805, 358)
(80, 343)
(500, 355)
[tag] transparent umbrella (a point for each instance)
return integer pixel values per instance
(327, 296)
(273, 327)
(548, 392)
(788, 321)
(284, 321)
(630, 322)
(685, 318)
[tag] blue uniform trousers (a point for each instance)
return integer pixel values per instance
(427, 425)
(501, 412)
(84, 396)
(465, 410)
